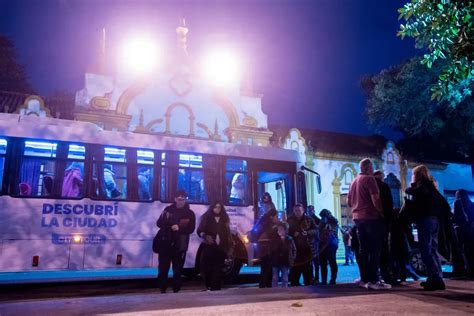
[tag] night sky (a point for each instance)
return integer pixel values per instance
(305, 57)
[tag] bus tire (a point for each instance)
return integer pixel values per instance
(416, 262)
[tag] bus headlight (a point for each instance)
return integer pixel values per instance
(245, 239)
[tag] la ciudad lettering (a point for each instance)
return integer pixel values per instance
(92, 211)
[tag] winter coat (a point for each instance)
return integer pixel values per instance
(262, 233)
(72, 183)
(184, 218)
(283, 252)
(328, 232)
(308, 236)
(219, 231)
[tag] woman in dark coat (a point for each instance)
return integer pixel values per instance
(217, 244)
(428, 211)
(464, 229)
(328, 244)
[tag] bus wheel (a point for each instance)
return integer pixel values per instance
(231, 269)
(416, 263)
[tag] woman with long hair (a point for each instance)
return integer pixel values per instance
(217, 244)
(428, 208)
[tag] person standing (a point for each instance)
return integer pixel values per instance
(263, 234)
(464, 229)
(316, 263)
(283, 255)
(429, 207)
(367, 213)
(217, 244)
(176, 223)
(267, 205)
(388, 214)
(348, 252)
(304, 232)
(328, 244)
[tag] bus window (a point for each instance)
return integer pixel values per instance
(37, 168)
(74, 172)
(3, 151)
(196, 174)
(109, 179)
(236, 182)
(145, 160)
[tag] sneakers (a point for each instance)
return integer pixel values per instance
(363, 285)
(379, 286)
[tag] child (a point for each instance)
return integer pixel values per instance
(283, 255)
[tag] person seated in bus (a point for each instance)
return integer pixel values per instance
(237, 191)
(72, 182)
(176, 223)
(267, 204)
(25, 189)
(144, 175)
(217, 244)
(47, 185)
(110, 185)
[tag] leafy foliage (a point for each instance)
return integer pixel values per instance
(400, 98)
(12, 75)
(446, 29)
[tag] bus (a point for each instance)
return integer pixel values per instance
(77, 197)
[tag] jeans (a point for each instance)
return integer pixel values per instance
(328, 255)
(371, 236)
(301, 269)
(164, 262)
(349, 255)
(428, 228)
(212, 263)
(276, 275)
(265, 272)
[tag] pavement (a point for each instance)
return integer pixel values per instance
(141, 297)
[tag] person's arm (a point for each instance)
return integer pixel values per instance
(349, 197)
(312, 230)
(164, 220)
(190, 226)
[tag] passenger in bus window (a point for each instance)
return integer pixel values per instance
(267, 204)
(72, 182)
(237, 192)
(217, 244)
(144, 175)
(110, 185)
(176, 223)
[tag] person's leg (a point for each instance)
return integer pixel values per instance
(265, 272)
(363, 239)
(296, 275)
(333, 265)
(164, 262)
(284, 276)
(219, 258)
(323, 260)
(316, 269)
(276, 272)
(375, 230)
(427, 227)
(177, 259)
(206, 266)
(307, 275)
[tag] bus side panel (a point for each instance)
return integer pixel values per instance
(17, 255)
(119, 253)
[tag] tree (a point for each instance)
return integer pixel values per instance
(446, 29)
(400, 98)
(12, 75)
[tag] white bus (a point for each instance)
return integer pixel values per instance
(76, 197)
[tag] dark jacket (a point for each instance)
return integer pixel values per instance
(308, 236)
(463, 213)
(209, 226)
(386, 198)
(427, 201)
(283, 252)
(328, 228)
(184, 218)
(262, 233)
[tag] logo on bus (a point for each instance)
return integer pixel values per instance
(61, 239)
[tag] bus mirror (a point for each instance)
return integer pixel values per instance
(318, 184)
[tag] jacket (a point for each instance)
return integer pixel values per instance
(307, 240)
(184, 218)
(219, 231)
(283, 252)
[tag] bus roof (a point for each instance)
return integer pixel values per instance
(15, 125)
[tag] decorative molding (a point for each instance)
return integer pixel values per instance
(100, 103)
(130, 93)
(25, 108)
(168, 117)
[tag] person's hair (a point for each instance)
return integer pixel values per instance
(223, 214)
(180, 193)
(284, 225)
(297, 205)
(365, 165)
(420, 173)
(269, 196)
(378, 172)
(464, 197)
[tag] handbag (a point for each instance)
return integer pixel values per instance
(162, 242)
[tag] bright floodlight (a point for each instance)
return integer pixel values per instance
(139, 55)
(222, 68)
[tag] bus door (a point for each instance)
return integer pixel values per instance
(279, 186)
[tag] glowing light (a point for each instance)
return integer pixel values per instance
(245, 239)
(77, 238)
(222, 68)
(139, 56)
